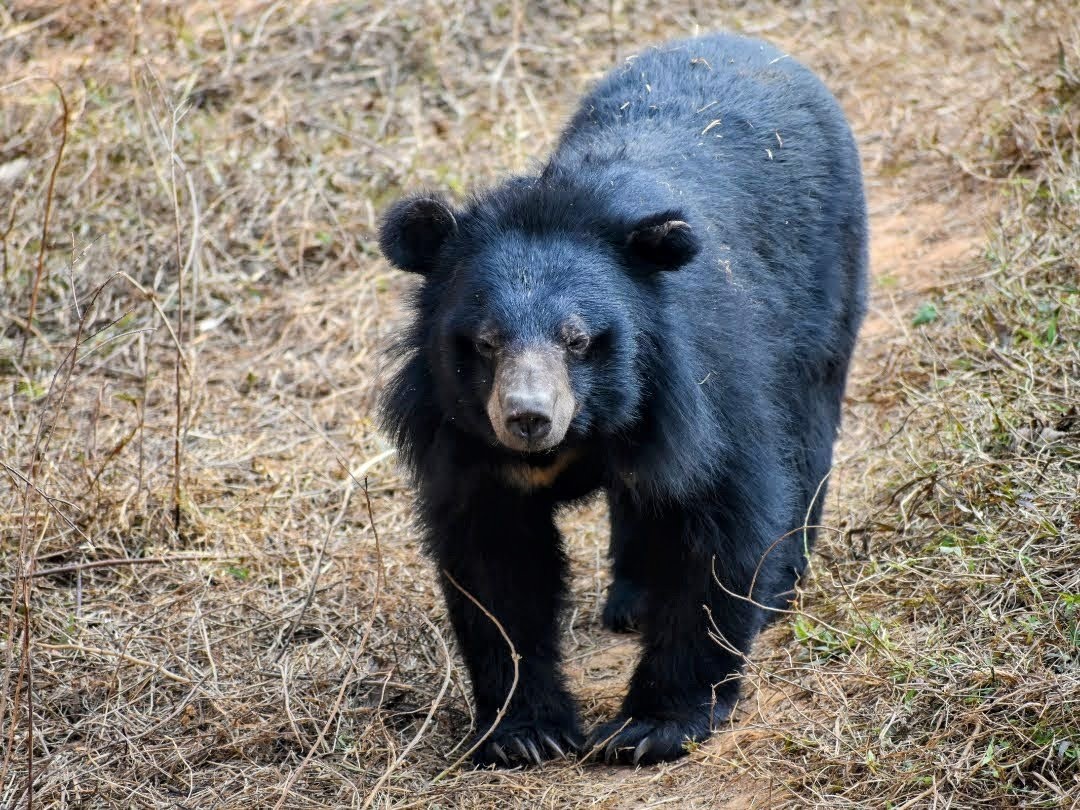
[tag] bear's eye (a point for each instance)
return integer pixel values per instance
(577, 343)
(485, 345)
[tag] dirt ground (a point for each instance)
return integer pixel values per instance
(212, 590)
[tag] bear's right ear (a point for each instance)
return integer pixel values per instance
(662, 241)
(413, 231)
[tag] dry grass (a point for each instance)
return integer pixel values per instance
(222, 628)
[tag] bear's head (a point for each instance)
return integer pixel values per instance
(537, 307)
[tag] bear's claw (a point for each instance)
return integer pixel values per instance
(526, 746)
(646, 741)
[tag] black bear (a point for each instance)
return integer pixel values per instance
(665, 312)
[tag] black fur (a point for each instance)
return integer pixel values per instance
(703, 219)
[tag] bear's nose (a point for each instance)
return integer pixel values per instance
(529, 424)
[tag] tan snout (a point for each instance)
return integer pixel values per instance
(531, 402)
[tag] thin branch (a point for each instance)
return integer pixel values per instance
(352, 663)
(514, 658)
(131, 659)
(313, 586)
(124, 561)
(423, 726)
(39, 270)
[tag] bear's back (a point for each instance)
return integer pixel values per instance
(757, 152)
(708, 88)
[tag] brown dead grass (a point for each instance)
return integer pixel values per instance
(274, 651)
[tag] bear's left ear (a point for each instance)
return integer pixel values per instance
(414, 230)
(662, 242)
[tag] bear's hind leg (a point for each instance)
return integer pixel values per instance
(626, 606)
(815, 423)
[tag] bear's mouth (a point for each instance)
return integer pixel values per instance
(531, 402)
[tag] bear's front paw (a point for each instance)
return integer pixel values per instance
(528, 744)
(648, 740)
(625, 609)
